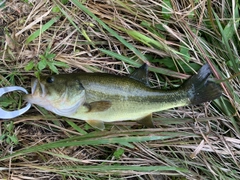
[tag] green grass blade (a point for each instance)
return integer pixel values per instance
(99, 138)
(102, 168)
(38, 32)
(225, 41)
(111, 31)
(77, 128)
(153, 69)
(82, 31)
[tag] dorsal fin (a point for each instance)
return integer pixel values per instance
(141, 74)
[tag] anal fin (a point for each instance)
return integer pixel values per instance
(96, 124)
(146, 121)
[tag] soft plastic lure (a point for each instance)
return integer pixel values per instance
(12, 114)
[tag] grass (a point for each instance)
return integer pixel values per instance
(175, 38)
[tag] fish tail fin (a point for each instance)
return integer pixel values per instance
(199, 89)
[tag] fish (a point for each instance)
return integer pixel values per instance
(100, 97)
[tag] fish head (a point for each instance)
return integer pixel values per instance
(60, 94)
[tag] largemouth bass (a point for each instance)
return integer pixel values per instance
(98, 97)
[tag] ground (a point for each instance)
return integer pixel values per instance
(175, 38)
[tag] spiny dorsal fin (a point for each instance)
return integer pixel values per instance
(141, 74)
(96, 124)
(146, 121)
(98, 106)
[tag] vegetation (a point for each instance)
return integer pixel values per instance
(175, 38)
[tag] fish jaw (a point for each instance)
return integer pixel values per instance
(38, 93)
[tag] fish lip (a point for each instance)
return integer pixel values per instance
(35, 83)
(43, 89)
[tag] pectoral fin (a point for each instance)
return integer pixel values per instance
(98, 106)
(96, 124)
(146, 121)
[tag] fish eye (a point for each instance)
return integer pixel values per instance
(50, 79)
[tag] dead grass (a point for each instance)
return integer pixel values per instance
(195, 142)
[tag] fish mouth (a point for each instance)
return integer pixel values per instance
(37, 88)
